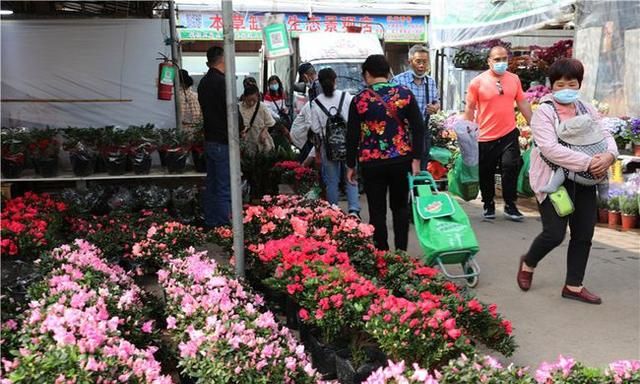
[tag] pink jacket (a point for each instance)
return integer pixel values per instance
(544, 135)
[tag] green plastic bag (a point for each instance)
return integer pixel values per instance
(441, 155)
(464, 180)
(447, 231)
(524, 187)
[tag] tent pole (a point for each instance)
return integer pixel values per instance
(175, 57)
(234, 138)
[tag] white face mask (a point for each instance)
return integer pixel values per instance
(417, 76)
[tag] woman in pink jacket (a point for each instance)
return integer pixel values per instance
(566, 78)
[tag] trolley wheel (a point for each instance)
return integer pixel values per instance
(472, 282)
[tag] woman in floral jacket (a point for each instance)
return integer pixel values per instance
(384, 121)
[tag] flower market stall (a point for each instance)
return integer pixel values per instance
(363, 315)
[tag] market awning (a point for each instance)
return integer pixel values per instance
(462, 22)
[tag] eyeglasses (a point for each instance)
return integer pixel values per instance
(499, 86)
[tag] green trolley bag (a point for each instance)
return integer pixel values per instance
(464, 180)
(442, 227)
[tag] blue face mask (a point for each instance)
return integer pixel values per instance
(500, 68)
(274, 87)
(566, 96)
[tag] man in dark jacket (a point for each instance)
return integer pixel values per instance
(212, 99)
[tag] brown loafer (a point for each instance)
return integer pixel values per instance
(584, 295)
(524, 278)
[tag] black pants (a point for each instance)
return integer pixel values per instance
(377, 179)
(427, 146)
(505, 150)
(581, 222)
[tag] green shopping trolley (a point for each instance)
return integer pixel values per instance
(443, 229)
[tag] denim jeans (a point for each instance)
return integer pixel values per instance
(217, 193)
(331, 171)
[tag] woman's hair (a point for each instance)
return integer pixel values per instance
(327, 78)
(185, 79)
(249, 80)
(376, 65)
(570, 69)
(250, 89)
(280, 91)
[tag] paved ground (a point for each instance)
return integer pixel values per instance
(545, 324)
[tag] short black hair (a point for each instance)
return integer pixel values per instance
(250, 89)
(185, 79)
(376, 65)
(327, 79)
(569, 69)
(249, 80)
(497, 46)
(214, 55)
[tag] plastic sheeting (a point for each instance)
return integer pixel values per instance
(608, 44)
(83, 59)
(462, 22)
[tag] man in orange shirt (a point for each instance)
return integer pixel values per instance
(490, 103)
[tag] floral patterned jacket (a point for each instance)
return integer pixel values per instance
(379, 133)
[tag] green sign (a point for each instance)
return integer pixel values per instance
(167, 75)
(276, 40)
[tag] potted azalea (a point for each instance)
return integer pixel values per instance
(115, 150)
(81, 145)
(14, 142)
(603, 210)
(176, 144)
(196, 142)
(143, 140)
(629, 208)
(43, 148)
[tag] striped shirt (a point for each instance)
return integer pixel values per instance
(419, 90)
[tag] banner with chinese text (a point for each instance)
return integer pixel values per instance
(248, 25)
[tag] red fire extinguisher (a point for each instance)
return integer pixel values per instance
(166, 74)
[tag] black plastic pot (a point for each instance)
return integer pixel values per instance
(47, 167)
(82, 165)
(141, 163)
(163, 157)
(199, 161)
(11, 168)
(176, 161)
(348, 374)
(101, 165)
(323, 357)
(291, 312)
(116, 163)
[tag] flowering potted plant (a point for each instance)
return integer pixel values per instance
(629, 208)
(618, 128)
(603, 210)
(81, 144)
(43, 149)
(532, 71)
(196, 142)
(614, 210)
(14, 143)
(634, 134)
(115, 150)
(143, 140)
(176, 146)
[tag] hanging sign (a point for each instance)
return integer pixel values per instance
(276, 40)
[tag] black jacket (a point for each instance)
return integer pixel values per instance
(212, 98)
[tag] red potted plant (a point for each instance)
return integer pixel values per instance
(629, 208)
(614, 211)
(13, 152)
(603, 210)
(44, 147)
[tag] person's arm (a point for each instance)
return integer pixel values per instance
(434, 105)
(471, 102)
(300, 128)
(523, 105)
(544, 135)
(269, 121)
(353, 134)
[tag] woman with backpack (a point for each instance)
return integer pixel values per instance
(327, 115)
(275, 99)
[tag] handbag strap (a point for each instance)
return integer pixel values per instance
(255, 113)
(392, 112)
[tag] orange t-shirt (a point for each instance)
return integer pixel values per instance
(495, 112)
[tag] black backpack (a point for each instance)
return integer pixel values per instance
(335, 132)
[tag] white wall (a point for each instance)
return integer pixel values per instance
(83, 59)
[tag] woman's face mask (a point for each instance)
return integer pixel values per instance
(566, 91)
(274, 87)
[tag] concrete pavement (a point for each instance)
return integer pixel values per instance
(545, 324)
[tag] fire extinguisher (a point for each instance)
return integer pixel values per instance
(166, 75)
